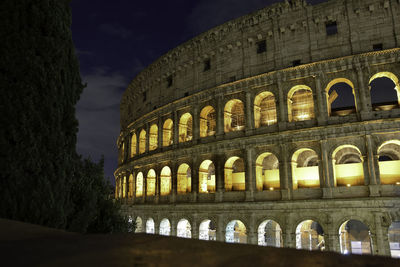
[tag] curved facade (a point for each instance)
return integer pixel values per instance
(279, 128)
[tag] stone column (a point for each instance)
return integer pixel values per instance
(195, 227)
(372, 167)
(160, 133)
(195, 178)
(174, 183)
(364, 95)
(175, 127)
(220, 228)
(252, 233)
(173, 222)
(327, 171)
(133, 186)
(116, 187)
(219, 163)
(282, 114)
(289, 238)
(382, 238)
(322, 111)
(196, 124)
(250, 177)
(158, 185)
(249, 114)
(147, 149)
(220, 116)
(285, 173)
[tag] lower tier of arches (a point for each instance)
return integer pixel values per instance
(361, 226)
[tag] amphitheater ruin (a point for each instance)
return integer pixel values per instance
(279, 128)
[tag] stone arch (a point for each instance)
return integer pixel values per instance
(389, 162)
(165, 227)
(305, 169)
(150, 226)
(153, 137)
(267, 172)
(133, 145)
(207, 230)
(184, 229)
(236, 232)
(234, 117)
(207, 177)
(138, 225)
(168, 133)
(235, 175)
(340, 96)
(208, 122)
(142, 141)
(347, 162)
(151, 183)
(165, 181)
(270, 234)
(300, 103)
(185, 128)
(139, 184)
(384, 98)
(394, 239)
(354, 237)
(310, 236)
(264, 109)
(184, 179)
(131, 187)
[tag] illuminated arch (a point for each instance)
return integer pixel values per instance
(310, 236)
(150, 226)
(264, 109)
(236, 232)
(165, 227)
(184, 179)
(131, 186)
(151, 183)
(270, 234)
(208, 121)
(168, 133)
(393, 100)
(305, 170)
(185, 128)
(300, 103)
(165, 182)
(207, 177)
(183, 229)
(207, 230)
(133, 145)
(124, 187)
(389, 162)
(234, 173)
(337, 93)
(234, 116)
(142, 141)
(267, 172)
(153, 137)
(347, 165)
(139, 184)
(394, 239)
(354, 238)
(138, 225)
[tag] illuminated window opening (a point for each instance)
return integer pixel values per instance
(124, 187)
(185, 128)
(310, 236)
(184, 179)
(138, 225)
(270, 234)
(305, 170)
(394, 239)
(142, 142)
(151, 183)
(153, 138)
(236, 232)
(207, 177)
(150, 226)
(235, 179)
(168, 133)
(131, 186)
(184, 229)
(385, 91)
(267, 172)
(207, 231)
(340, 97)
(165, 227)
(165, 181)
(208, 121)
(264, 110)
(300, 104)
(139, 184)
(355, 238)
(234, 117)
(133, 145)
(389, 162)
(347, 165)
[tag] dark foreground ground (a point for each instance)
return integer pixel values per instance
(30, 245)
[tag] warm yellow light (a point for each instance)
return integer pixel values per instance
(397, 183)
(271, 189)
(303, 116)
(348, 185)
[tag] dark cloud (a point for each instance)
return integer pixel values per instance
(116, 30)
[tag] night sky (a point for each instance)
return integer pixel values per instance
(116, 39)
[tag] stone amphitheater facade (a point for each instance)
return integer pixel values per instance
(240, 125)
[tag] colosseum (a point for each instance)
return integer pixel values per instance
(279, 128)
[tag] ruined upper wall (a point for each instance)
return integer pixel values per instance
(293, 31)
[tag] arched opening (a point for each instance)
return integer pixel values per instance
(142, 142)
(270, 234)
(133, 145)
(340, 97)
(184, 229)
(305, 170)
(300, 103)
(347, 165)
(389, 162)
(207, 231)
(234, 116)
(184, 179)
(139, 184)
(165, 181)
(153, 141)
(264, 109)
(165, 227)
(130, 194)
(235, 179)
(138, 225)
(185, 128)
(150, 226)
(124, 187)
(384, 90)
(168, 133)
(354, 238)
(207, 177)
(208, 122)
(267, 172)
(151, 183)
(236, 232)
(310, 236)
(394, 239)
